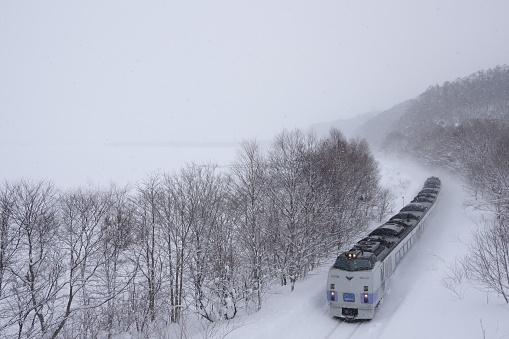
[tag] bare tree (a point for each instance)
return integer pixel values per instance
(83, 213)
(384, 203)
(350, 179)
(10, 235)
(117, 271)
(34, 278)
(251, 205)
(453, 278)
(148, 253)
(487, 262)
(10, 238)
(293, 191)
(177, 233)
(201, 206)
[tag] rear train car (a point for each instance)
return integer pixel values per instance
(358, 280)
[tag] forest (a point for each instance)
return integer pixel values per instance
(202, 242)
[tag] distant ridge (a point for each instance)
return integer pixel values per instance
(347, 126)
(481, 95)
(375, 129)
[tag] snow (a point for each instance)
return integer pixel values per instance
(418, 304)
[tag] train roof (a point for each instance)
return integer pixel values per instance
(403, 222)
(415, 207)
(379, 243)
(389, 229)
(429, 190)
(422, 198)
(432, 182)
(405, 216)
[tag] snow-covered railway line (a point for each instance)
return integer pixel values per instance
(344, 330)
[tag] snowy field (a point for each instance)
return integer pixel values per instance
(78, 164)
(418, 304)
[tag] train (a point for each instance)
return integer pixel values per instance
(358, 279)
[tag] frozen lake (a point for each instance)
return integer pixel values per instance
(121, 163)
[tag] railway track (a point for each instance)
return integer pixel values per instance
(343, 330)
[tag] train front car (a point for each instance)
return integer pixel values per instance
(357, 280)
(350, 285)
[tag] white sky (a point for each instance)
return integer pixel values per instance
(227, 70)
(173, 72)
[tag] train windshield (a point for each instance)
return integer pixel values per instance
(353, 264)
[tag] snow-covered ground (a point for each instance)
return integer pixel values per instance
(418, 304)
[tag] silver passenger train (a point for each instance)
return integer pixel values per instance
(358, 280)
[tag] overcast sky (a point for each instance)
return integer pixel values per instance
(109, 72)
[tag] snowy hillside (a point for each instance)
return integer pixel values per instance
(418, 304)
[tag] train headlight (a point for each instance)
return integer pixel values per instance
(352, 254)
(332, 295)
(366, 298)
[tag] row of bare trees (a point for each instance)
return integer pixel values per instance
(93, 262)
(485, 167)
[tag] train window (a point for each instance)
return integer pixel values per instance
(352, 265)
(332, 286)
(365, 288)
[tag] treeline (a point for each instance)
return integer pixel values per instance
(478, 151)
(482, 95)
(92, 262)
